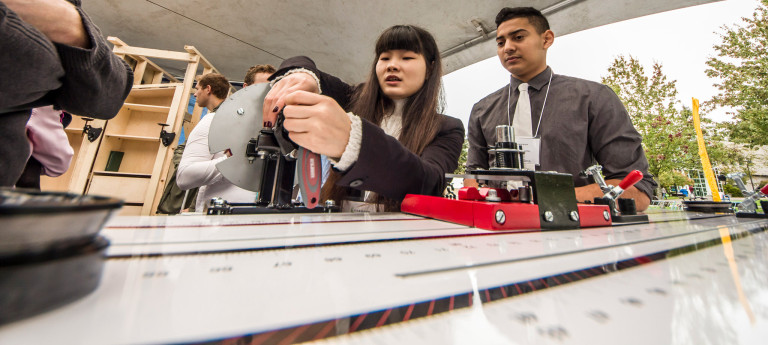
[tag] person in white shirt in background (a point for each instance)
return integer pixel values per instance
(198, 166)
(258, 74)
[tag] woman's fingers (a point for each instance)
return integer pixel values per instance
(297, 125)
(316, 122)
(302, 139)
(275, 99)
(274, 96)
(305, 98)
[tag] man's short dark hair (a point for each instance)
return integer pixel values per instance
(250, 77)
(533, 15)
(218, 83)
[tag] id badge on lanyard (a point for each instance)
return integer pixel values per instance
(531, 147)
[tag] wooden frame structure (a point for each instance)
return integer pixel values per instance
(128, 159)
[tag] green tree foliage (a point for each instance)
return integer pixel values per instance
(463, 158)
(669, 138)
(732, 190)
(741, 71)
(668, 179)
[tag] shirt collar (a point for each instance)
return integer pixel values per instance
(536, 82)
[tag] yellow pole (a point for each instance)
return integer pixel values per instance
(708, 173)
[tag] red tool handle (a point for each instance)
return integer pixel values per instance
(629, 181)
(764, 190)
(310, 177)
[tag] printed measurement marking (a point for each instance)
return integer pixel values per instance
(599, 316)
(282, 264)
(555, 332)
(526, 318)
(632, 301)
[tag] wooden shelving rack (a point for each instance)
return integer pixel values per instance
(157, 98)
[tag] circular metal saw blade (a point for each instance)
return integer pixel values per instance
(238, 120)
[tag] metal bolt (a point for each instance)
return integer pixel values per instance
(240, 111)
(574, 216)
(329, 206)
(217, 202)
(606, 215)
(492, 196)
(501, 218)
(549, 217)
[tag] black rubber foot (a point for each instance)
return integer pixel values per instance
(633, 218)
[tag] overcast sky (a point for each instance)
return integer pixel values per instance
(680, 40)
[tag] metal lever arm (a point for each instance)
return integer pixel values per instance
(749, 204)
(736, 177)
(596, 172)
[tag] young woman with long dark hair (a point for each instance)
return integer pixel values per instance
(385, 137)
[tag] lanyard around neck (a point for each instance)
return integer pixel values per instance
(546, 95)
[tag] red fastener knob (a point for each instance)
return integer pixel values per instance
(764, 190)
(629, 181)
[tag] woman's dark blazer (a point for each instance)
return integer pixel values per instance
(385, 166)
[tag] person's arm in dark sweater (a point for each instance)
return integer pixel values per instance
(74, 68)
(96, 81)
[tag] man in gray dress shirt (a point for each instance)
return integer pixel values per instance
(579, 122)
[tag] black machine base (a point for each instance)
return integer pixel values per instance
(751, 215)
(708, 206)
(247, 208)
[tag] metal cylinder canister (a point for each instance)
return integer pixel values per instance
(507, 153)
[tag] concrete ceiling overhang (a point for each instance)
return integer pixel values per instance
(338, 34)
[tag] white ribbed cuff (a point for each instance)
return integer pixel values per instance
(352, 151)
(299, 70)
